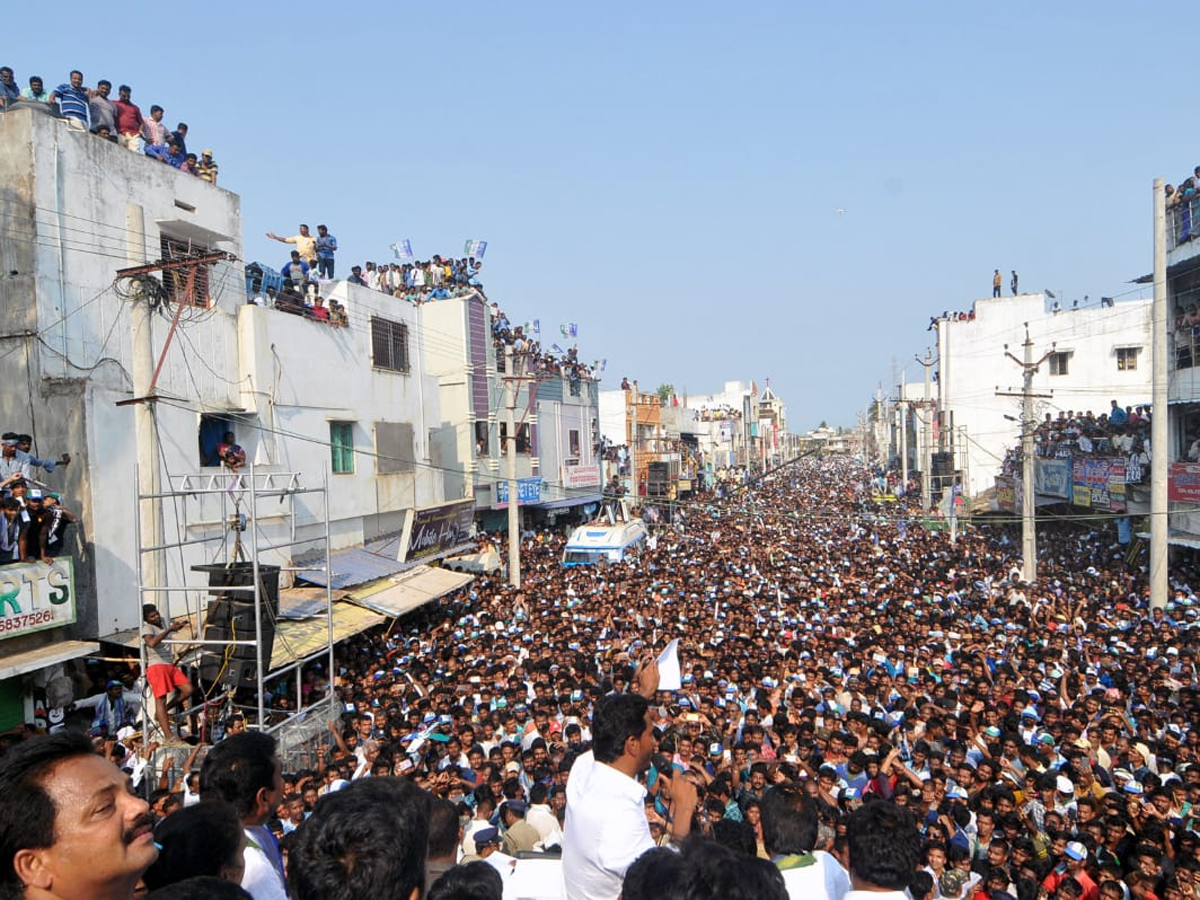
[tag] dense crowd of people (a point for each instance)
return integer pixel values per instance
(1035, 740)
(120, 121)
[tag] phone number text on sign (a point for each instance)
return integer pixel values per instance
(36, 596)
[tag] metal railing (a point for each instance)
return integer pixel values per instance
(1183, 221)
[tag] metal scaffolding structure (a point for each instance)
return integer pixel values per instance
(234, 537)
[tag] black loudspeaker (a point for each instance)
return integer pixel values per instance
(230, 620)
(942, 465)
(241, 574)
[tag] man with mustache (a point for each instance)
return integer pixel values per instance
(70, 826)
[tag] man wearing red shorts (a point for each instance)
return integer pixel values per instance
(161, 672)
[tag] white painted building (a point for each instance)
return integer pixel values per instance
(1183, 301)
(301, 396)
(1098, 354)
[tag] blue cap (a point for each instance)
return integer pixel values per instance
(488, 835)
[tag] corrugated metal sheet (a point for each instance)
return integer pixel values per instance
(350, 567)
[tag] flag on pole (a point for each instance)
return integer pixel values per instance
(475, 249)
(557, 349)
(403, 249)
(603, 364)
(569, 330)
(537, 326)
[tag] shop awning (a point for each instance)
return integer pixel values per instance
(405, 592)
(39, 658)
(296, 640)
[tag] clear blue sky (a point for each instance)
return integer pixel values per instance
(669, 175)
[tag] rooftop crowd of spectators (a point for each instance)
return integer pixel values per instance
(120, 121)
(422, 282)
(1042, 740)
(536, 359)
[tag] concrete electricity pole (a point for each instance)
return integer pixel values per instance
(1159, 423)
(903, 408)
(1028, 493)
(633, 446)
(926, 436)
(514, 513)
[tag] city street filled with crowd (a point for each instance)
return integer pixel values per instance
(829, 646)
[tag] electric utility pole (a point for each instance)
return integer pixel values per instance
(926, 436)
(1028, 493)
(1159, 520)
(510, 439)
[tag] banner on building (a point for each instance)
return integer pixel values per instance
(1052, 477)
(1006, 494)
(1099, 484)
(475, 249)
(435, 529)
(35, 596)
(1183, 483)
(529, 490)
(581, 476)
(403, 249)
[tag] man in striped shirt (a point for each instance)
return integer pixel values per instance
(72, 99)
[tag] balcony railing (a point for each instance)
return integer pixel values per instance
(1182, 223)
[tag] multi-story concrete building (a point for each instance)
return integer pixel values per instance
(353, 405)
(1183, 301)
(1097, 354)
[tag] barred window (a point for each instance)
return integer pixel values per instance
(389, 345)
(175, 281)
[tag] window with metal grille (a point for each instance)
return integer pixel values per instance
(389, 345)
(394, 447)
(175, 281)
(341, 445)
(1127, 358)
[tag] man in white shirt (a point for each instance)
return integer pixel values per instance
(884, 847)
(789, 824)
(542, 817)
(244, 770)
(606, 827)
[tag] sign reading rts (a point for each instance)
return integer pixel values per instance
(35, 596)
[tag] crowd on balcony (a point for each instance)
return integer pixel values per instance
(120, 121)
(34, 522)
(1183, 208)
(1121, 432)
(1187, 335)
